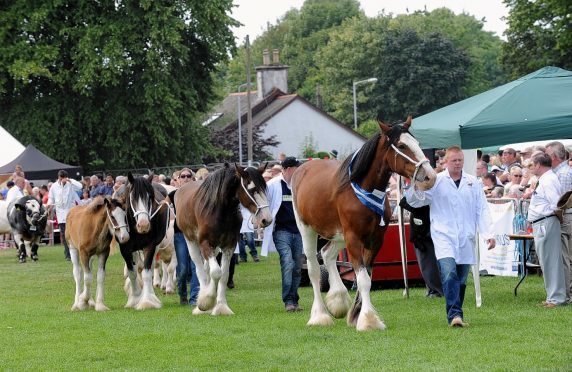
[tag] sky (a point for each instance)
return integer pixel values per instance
(256, 14)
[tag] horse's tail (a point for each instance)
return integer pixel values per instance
(354, 311)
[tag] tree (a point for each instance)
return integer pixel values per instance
(112, 84)
(225, 140)
(539, 34)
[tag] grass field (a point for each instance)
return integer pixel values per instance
(39, 332)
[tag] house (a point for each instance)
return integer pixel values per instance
(290, 118)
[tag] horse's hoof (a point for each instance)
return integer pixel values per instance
(321, 320)
(205, 303)
(34, 257)
(222, 309)
(369, 322)
(101, 307)
(197, 311)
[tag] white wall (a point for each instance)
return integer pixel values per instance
(297, 121)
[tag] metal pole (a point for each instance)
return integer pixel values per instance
(249, 120)
(402, 239)
(239, 127)
(355, 106)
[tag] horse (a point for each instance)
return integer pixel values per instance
(166, 263)
(327, 198)
(210, 219)
(28, 219)
(148, 220)
(89, 231)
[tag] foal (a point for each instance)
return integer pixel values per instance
(89, 231)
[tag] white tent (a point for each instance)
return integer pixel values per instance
(10, 146)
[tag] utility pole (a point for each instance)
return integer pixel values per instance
(249, 116)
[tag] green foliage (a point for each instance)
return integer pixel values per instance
(368, 128)
(539, 34)
(308, 148)
(40, 332)
(116, 83)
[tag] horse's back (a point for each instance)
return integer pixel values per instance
(82, 224)
(185, 206)
(315, 192)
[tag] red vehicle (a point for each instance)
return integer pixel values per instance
(387, 265)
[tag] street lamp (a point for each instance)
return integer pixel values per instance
(356, 83)
(239, 122)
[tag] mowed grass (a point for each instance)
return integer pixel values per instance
(39, 332)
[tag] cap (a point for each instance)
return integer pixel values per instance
(290, 161)
(495, 168)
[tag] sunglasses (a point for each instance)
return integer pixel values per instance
(185, 176)
(517, 175)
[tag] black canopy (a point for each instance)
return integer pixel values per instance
(38, 166)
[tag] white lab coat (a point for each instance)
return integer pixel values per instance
(456, 216)
(64, 197)
(274, 194)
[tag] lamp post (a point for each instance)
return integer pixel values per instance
(239, 115)
(356, 83)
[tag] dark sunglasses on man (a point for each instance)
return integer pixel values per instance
(185, 176)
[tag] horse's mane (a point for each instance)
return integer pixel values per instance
(257, 178)
(366, 155)
(218, 190)
(95, 205)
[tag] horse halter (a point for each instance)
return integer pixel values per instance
(418, 164)
(148, 213)
(116, 227)
(258, 206)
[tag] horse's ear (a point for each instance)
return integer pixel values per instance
(107, 203)
(130, 177)
(240, 170)
(262, 167)
(408, 122)
(384, 127)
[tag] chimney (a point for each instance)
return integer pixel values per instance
(265, 57)
(270, 76)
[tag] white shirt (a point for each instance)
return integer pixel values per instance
(545, 198)
(246, 220)
(14, 193)
(274, 195)
(456, 215)
(64, 197)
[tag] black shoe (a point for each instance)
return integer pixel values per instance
(230, 284)
(256, 259)
(183, 301)
(242, 260)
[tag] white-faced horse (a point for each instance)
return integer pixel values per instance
(89, 231)
(209, 217)
(330, 199)
(148, 220)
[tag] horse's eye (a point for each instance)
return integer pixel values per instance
(401, 146)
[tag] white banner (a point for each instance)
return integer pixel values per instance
(501, 260)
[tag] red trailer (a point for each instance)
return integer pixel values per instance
(387, 265)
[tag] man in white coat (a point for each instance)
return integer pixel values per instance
(458, 210)
(63, 195)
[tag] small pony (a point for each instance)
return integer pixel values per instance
(89, 231)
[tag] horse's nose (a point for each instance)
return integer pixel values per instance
(123, 238)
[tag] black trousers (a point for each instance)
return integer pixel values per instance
(425, 251)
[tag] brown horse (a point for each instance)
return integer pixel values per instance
(326, 204)
(209, 217)
(89, 231)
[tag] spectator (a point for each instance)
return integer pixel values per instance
(267, 175)
(202, 174)
(119, 181)
(497, 171)
(546, 229)
(482, 169)
(17, 191)
(36, 193)
(276, 170)
(4, 191)
(44, 194)
(107, 187)
(515, 192)
(560, 166)
(63, 196)
(458, 210)
(186, 270)
(284, 233)
(95, 186)
(85, 199)
(247, 236)
(514, 179)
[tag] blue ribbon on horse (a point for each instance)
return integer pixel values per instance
(375, 201)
